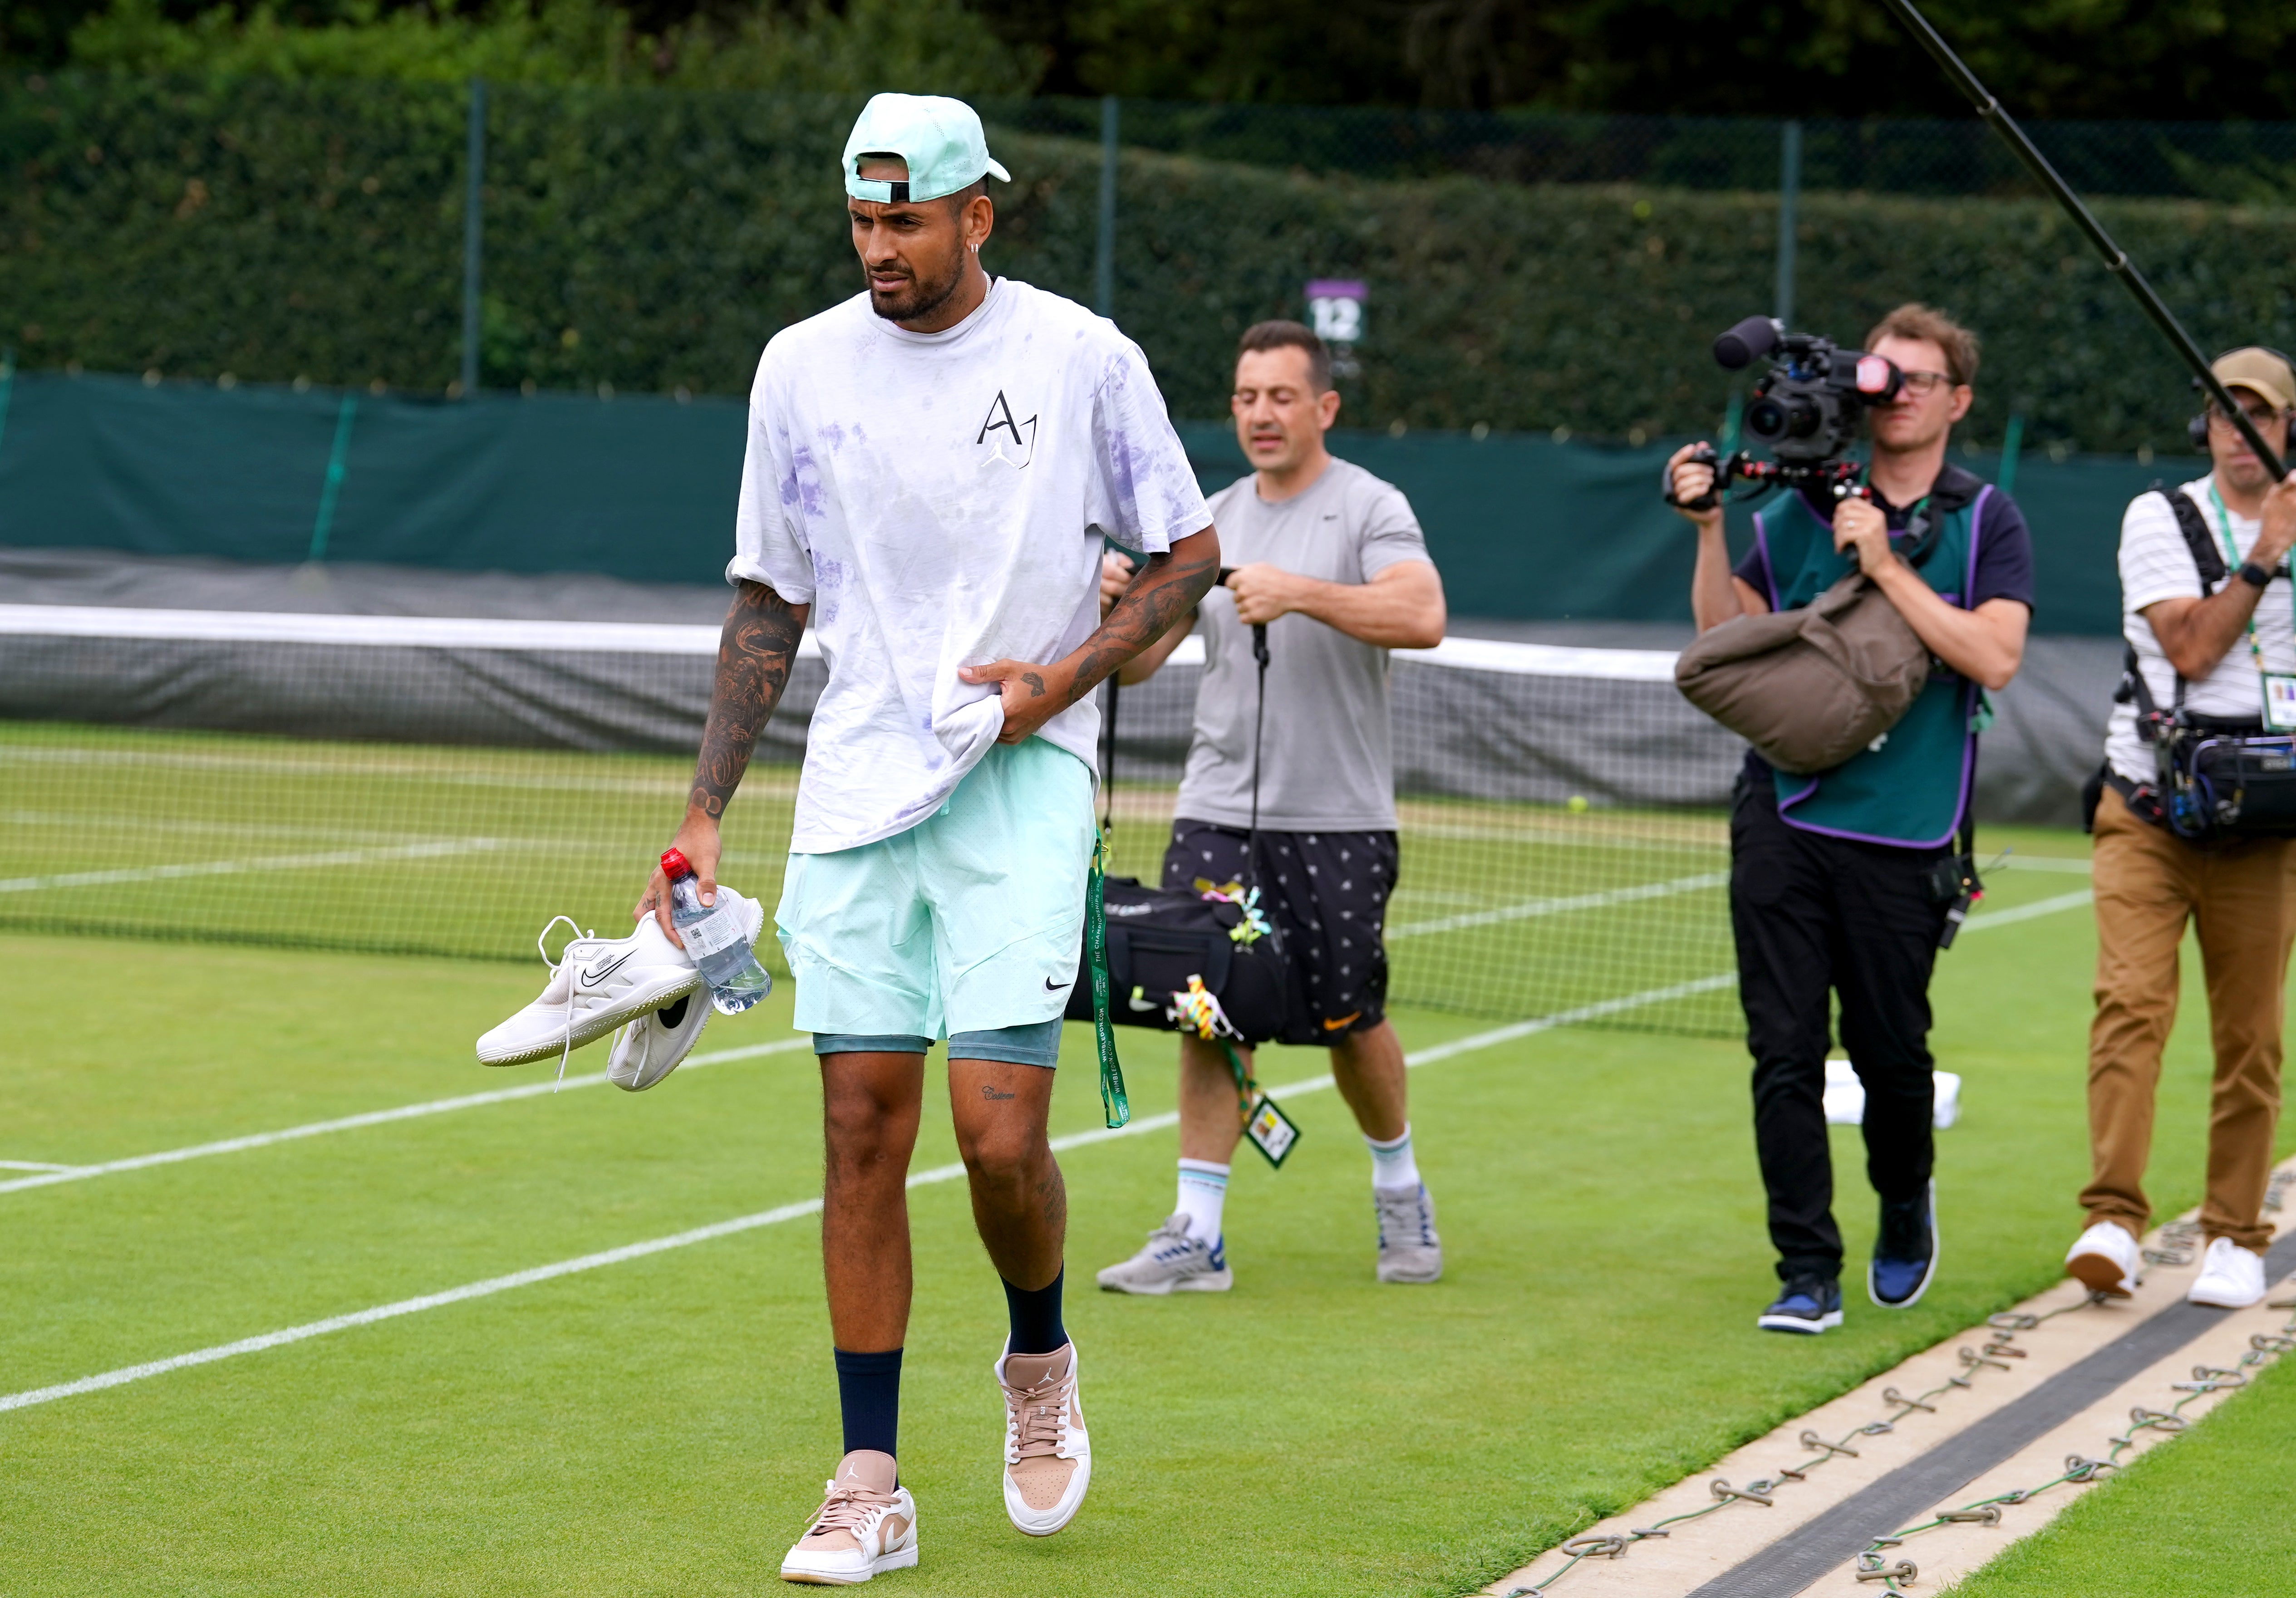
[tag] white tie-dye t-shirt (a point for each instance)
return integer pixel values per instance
(939, 500)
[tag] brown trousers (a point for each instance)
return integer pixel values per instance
(2149, 883)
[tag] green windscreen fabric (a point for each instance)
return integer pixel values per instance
(642, 488)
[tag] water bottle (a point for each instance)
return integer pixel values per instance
(715, 937)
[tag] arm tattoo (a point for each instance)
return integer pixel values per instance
(1166, 590)
(754, 653)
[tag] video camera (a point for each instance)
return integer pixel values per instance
(1806, 408)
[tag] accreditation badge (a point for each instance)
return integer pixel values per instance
(2279, 701)
(1271, 1131)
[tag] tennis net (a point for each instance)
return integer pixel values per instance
(445, 785)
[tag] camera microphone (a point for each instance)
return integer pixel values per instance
(1748, 342)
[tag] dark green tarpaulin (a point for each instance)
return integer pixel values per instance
(642, 488)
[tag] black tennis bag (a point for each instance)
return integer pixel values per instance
(1159, 938)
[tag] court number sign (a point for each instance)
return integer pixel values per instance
(1335, 309)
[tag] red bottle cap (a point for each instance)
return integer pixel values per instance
(674, 864)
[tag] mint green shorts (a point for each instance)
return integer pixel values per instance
(969, 921)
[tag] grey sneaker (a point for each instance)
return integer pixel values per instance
(1172, 1261)
(1408, 1248)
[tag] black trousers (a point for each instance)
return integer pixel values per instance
(1814, 916)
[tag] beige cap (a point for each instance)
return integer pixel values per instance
(2261, 372)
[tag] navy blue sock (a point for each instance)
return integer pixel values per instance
(869, 1393)
(1036, 1326)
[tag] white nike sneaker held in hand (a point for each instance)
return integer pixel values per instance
(596, 985)
(654, 1045)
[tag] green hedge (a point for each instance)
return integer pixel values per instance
(655, 240)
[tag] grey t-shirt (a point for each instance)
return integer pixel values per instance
(1326, 758)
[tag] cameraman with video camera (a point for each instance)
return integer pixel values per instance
(1844, 881)
(2207, 613)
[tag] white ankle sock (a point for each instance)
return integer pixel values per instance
(1392, 1164)
(1203, 1192)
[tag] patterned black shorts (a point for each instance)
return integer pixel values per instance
(1327, 894)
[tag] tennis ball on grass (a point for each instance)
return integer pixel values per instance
(1577, 803)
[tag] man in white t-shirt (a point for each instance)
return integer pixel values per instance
(2218, 642)
(1330, 559)
(931, 468)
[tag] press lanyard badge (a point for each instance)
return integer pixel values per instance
(2279, 701)
(2279, 686)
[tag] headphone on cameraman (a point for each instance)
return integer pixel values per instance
(2197, 428)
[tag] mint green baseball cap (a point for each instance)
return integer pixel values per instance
(940, 139)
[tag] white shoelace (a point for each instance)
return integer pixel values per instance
(564, 965)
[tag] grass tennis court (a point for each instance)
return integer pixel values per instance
(1504, 910)
(662, 1425)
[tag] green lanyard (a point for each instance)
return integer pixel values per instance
(1118, 1108)
(2233, 559)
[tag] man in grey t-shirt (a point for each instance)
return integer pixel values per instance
(1330, 559)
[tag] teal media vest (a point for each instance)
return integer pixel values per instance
(1910, 786)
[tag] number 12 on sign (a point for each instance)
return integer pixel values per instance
(1335, 308)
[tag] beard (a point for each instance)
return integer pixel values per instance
(919, 296)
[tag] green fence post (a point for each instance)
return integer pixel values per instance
(1104, 274)
(1788, 201)
(2012, 440)
(338, 462)
(474, 233)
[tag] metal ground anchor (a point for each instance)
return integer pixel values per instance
(1905, 1570)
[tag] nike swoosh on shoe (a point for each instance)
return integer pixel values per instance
(599, 973)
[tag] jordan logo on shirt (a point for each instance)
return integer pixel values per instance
(1018, 449)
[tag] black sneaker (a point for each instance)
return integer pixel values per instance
(1905, 1253)
(1809, 1305)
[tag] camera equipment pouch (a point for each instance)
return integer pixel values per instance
(1809, 688)
(2217, 779)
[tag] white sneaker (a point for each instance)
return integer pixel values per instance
(597, 984)
(867, 1525)
(2104, 1259)
(651, 1047)
(1171, 1261)
(1047, 1453)
(2231, 1277)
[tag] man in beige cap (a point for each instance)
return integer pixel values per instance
(2216, 647)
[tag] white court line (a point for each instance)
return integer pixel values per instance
(2050, 906)
(33, 1165)
(1529, 909)
(224, 868)
(768, 1217)
(348, 1123)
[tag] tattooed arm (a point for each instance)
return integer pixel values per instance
(1160, 596)
(754, 654)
